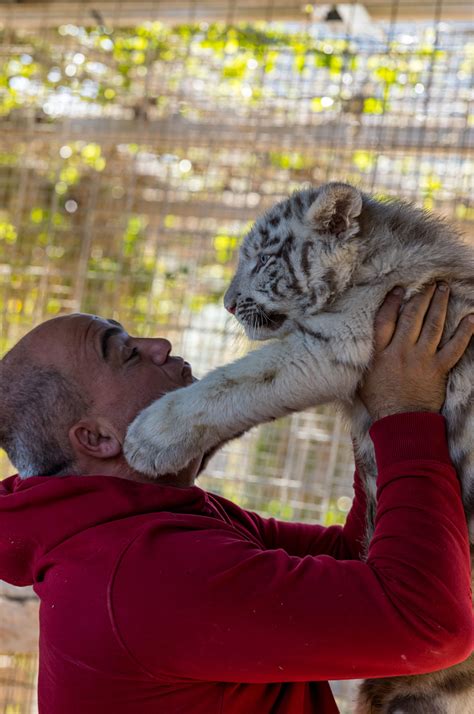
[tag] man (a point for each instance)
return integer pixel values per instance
(157, 597)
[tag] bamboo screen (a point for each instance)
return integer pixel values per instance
(140, 140)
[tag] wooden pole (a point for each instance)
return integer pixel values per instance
(125, 13)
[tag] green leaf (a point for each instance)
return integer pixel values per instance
(364, 160)
(372, 105)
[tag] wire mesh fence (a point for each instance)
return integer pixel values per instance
(18, 684)
(139, 141)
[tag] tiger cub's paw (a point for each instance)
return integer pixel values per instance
(165, 437)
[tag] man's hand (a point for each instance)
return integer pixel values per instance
(408, 372)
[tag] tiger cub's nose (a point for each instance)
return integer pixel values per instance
(231, 309)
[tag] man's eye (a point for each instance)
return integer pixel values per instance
(133, 353)
(263, 258)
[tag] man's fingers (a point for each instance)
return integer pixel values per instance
(412, 316)
(453, 350)
(386, 319)
(433, 326)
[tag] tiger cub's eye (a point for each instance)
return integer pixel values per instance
(263, 258)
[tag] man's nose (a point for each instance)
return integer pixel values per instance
(157, 349)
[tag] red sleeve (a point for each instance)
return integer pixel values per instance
(341, 542)
(207, 604)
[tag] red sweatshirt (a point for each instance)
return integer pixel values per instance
(160, 600)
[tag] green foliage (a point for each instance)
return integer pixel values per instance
(372, 105)
(90, 155)
(235, 68)
(8, 232)
(232, 492)
(430, 184)
(225, 246)
(134, 232)
(333, 515)
(277, 509)
(8, 159)
(255, 39)
(464, 213)
(364, 160)
(109, 66)
(289, 160)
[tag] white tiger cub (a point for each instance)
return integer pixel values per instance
(312, 273)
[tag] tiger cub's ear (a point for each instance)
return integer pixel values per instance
(335, 210)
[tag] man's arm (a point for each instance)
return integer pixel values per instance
(300, 539)
(208, 604)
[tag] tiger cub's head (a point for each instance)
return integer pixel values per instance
(295, 260)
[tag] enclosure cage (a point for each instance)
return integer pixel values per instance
(141, 139)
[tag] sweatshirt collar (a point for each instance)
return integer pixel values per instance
(38, 513)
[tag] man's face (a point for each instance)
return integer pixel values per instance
(120, 375)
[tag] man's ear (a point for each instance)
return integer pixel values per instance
(335, 209)
(95, 438)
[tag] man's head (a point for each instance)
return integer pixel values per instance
(70, 388)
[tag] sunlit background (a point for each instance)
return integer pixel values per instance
(138, 142)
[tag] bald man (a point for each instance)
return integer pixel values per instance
(76, 382)
(159, 597)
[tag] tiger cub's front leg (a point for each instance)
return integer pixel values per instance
(282, 377)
